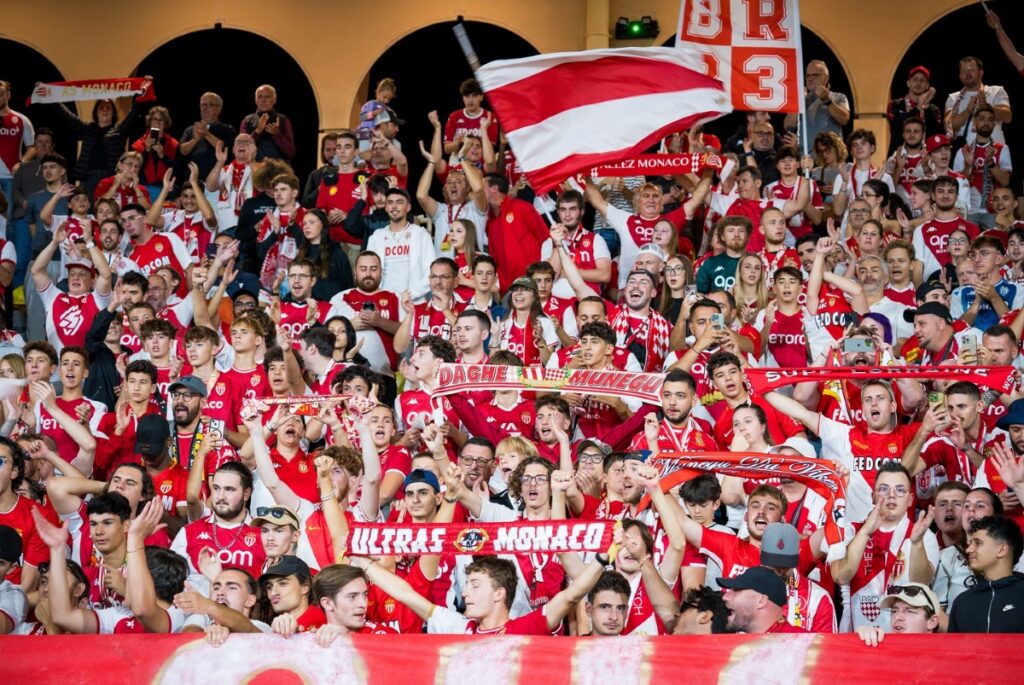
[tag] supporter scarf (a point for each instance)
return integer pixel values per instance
(510, 537)
(652, 334)
(457, 378)
(996, 377)
(819, 475)
(658, 165)
(93, 89)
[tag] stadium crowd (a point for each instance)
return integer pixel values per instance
(224, 367)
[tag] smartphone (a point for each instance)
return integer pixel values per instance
(211, 250)
(858, 345)
(689, 292)
(718, 321)
(936, 399)
(154, 134)
(969, 345)
(660, 413)
(369, 306)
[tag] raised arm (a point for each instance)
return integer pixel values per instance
(141, 592)
(48, 210)
(66, 493)
(213, 178)
(428, 203)
(334, 516)
(595, 198)
(282, 492)
(370, 500)
(844, 569)
(1015, 57)
(155, 216)
(40, 277)
(391, 584)
(560, 605)
(66, 616)
(793, 409)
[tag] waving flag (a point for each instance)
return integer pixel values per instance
(568, 112)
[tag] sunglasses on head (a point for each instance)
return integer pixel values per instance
(911, 591)
(274, 512)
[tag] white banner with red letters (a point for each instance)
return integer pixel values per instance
(750, 46)
(456, 378)
(93, 89)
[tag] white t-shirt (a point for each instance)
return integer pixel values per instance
(406, 256)
(445, 214)
(995, 95)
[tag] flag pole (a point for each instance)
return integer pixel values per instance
(800, 86)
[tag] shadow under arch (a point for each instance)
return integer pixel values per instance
(814, 47)
(944, 64)
(181, 74)
(33, 66)
(405, 61)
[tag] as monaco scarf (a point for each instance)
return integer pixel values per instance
(819, 475)
(456, 378)
(996, 377)
(659, 165)
(93, 89)
(652, 333)
(518, 537)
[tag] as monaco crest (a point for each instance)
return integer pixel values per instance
(249, 539)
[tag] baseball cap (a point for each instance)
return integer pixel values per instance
(636, 455)
(421, 476)
(920, 70)
(802, 446)
(1014, 415)
(759, 579)
(287, 565)
(523, 282)
(651, 248)
(914, 594)
(780, 546)
(933, 308)
(10, 545)
(644, 272)
(935, 142)
(388, 115)
(925, 288)
(151, 435)
(193, 384)
(279, 516)
(245, 291)
(81, 264)
(601, 447)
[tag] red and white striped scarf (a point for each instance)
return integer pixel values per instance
(652, 333)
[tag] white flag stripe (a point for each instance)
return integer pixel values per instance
(592, 129)
(504, 72)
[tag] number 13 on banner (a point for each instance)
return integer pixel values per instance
(749, 45)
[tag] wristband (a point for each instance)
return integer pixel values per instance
(604, 562)
(451, 501)
(89, 246)
(327, 498)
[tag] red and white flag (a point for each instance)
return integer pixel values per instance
(751, 45)
(570, 111)
(93, 89)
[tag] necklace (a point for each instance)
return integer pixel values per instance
(216, 542)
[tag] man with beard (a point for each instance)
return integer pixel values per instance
(406, 249)
(747, 202)
(986, 165)
(932, 237)
(196, 435)
(913, 609)
(224, 533)
(996, 603)
(933, 328)
(588, 250)
(918, 103)
(300, 309)
(638, 326)
(676, 430)
(879, 552)
(151, 250)
(808, 607)
(718, 272)
(233, 594)
(460, 202)
(433, 317)
(756, 600)
(169, 477)
(962, 104)
(904, 165)
(110, 243)
(374, 312)
(872, 274)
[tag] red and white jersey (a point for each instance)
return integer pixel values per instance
(78, 228)
(417, 409)
(119, 620)
(68, 317)
(179, 314)
(858, 177)
(67, 448)
(642, 618)
(636, 231)
(931, 241)
(586, 248)
(223, 402)
(799, 225)
(247, 384)
(515, 420)
(752, 209)
(621, 358)
(562, 310)
(519, 338)
(235, 188)
(265, 229)
(378, 345)
(732, 554)
(322, 384)
(809, 607)
(33, 550)
(16, 134)
(163, 249)
(1000, 158)
(191, 229)
(863, 452)
(460, 123)
(448, 622)
(773, 261)
(295, 318)
(912, 170)
(834, 311)
(780, 426)
(695, 436)
(170, 486)
(905, 296)
(392, 616)
(886, 562)
(787, 341)
(428, 319)
(238, 546)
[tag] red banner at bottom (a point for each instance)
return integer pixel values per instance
(451, 659)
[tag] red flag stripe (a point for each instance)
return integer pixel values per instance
(556, 89)
(545, 178)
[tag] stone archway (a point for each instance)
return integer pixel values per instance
(221, 60)
(33, 66)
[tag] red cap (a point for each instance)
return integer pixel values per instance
(937, 141)
(920, 70)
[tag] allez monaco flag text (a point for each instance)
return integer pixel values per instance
(570, 111)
